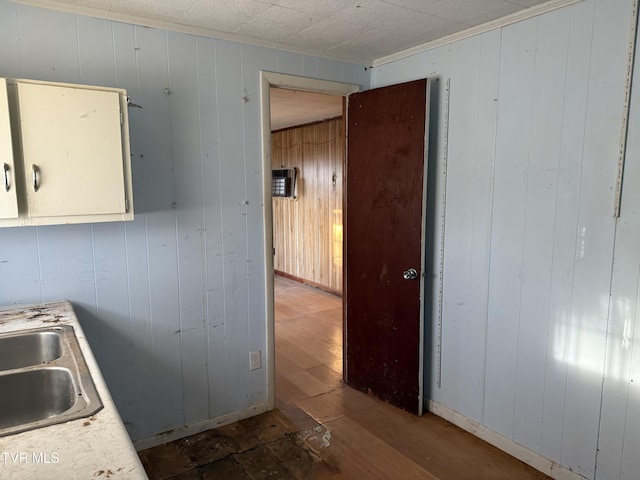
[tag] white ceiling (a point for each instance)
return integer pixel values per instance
(354, 30)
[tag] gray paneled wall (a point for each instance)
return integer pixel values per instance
(174, 301)
(619, 441)
(529, 332)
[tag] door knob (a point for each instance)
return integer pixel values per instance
(410, 274)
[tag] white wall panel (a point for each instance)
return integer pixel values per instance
(289, 63)
(95, 52)
(48, 45)
(309, 66)
(361, 75)
(595, 236)
(459, 236)
(349, 72)
(623, 353)
(329, 69)
(630, 465)
(558, 86)
(113, 347)
(481, 206)
(474, 69)
(10, 53)
(619, 441)
(131, 401)
(575, 88)
(173, 301)
(542, 189)
(233, 196)
(19, 266)
(112, 311)
(517, 67)
(165, 378)
(188, 185)
(254, 60)
(210, 158)
(66, 264)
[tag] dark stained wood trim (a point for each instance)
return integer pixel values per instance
(324, 288)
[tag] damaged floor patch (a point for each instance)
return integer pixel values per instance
(319, 436)
(258, 448)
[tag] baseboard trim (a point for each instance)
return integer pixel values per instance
(309, 282)
(522, 453)
(199, 427)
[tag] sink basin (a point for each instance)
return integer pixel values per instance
(33, 395)
(29, 348)
(44, 380)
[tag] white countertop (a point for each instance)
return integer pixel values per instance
(97, 447)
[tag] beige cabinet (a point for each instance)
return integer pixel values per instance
(8, 197)
(65, 150)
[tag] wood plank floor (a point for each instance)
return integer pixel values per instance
(323, 429)
(366, 438)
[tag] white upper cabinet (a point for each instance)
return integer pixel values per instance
(70, 147)
(8, 197)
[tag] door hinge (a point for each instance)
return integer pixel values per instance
(126, 204)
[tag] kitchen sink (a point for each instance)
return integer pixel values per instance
(44, 380)
(29, 348)
(35, 394)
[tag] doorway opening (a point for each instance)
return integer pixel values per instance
(303, 238)
(307, 158)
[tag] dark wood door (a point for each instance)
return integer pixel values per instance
(384, 239)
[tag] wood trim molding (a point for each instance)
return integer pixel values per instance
(309, 282)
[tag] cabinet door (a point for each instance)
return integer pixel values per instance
(8, 198)
(72, 150)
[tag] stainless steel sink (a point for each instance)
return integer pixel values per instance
(33, 395)
(44, 380)
(29, 348)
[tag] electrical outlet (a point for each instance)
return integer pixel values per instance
(254, 360)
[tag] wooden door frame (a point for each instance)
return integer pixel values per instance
(292, 82)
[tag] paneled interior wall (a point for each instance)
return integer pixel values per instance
(174, 301)
(539, 302)
(307, 230)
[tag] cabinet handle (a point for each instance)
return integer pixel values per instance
(7, 185)
(35, 171)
